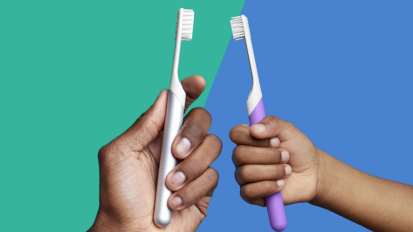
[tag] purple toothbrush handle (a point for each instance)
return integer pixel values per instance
(275, 204)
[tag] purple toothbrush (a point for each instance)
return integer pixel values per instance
(256, 112)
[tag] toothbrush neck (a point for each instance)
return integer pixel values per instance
(176, 86)
(176, 60)
(254, 73)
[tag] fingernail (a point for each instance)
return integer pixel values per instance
(288, 170)
(274, 142)
(284, 156)
(183, 146)
(177, 179)
(175, 202)
(259, 127)
(280, 183)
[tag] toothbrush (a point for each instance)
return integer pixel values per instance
(173, 120)
(256, 112)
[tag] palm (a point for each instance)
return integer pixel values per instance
(302, 184)
(134, 199)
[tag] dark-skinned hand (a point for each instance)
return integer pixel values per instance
(129, 168)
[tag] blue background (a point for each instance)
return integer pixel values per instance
(342, 73)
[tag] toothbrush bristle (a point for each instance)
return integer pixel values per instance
(237, 26)
(186, 22)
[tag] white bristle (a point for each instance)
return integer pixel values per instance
(237, 25)
(186, 23)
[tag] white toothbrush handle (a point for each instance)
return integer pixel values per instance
(173, 123)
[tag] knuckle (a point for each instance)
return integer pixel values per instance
(203, 112)
(240, 154)
(289, 124)
(213, 175)
(245, 198)
(259, 202)
(198, 114)
(198, 110)
(242, 193)
(238, 176)
(236, 132)
(112, 152)
(248, 191)
(233, 132)
(209, 181)
(234, 158)
(212, 138)
(273, 119)
(103, 153)
(292, 130)
(244, 173)
(214, 143)
(276, 122)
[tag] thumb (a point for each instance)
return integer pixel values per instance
(271, 127)
(148, 125)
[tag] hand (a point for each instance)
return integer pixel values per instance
(271, 156)
(129, 168)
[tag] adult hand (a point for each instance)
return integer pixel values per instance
(129, 168)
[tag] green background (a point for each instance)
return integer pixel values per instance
(73, 76)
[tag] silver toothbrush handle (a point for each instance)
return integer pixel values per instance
(173, 124)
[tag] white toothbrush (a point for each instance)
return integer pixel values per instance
(256, 112)
(173, 121)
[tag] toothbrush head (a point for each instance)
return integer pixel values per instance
(185, 24)
(240, 27)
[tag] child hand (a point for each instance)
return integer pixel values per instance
(272, 156)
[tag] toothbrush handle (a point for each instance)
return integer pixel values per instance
(275, 204)
(173, 123)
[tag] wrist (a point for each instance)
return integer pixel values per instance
(104, 222)
(324, 177)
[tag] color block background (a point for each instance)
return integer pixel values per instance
(75, 74)
(342, 73)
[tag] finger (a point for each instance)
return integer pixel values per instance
(194, 191)
(150, 123)
(242, 155)
(256, 173)
(254, 193)
(256, 201)
(196, 164)
(195, 126)
(272, 126)
(193, 86)
(241, 135)
(148, 126)
(202, 204)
